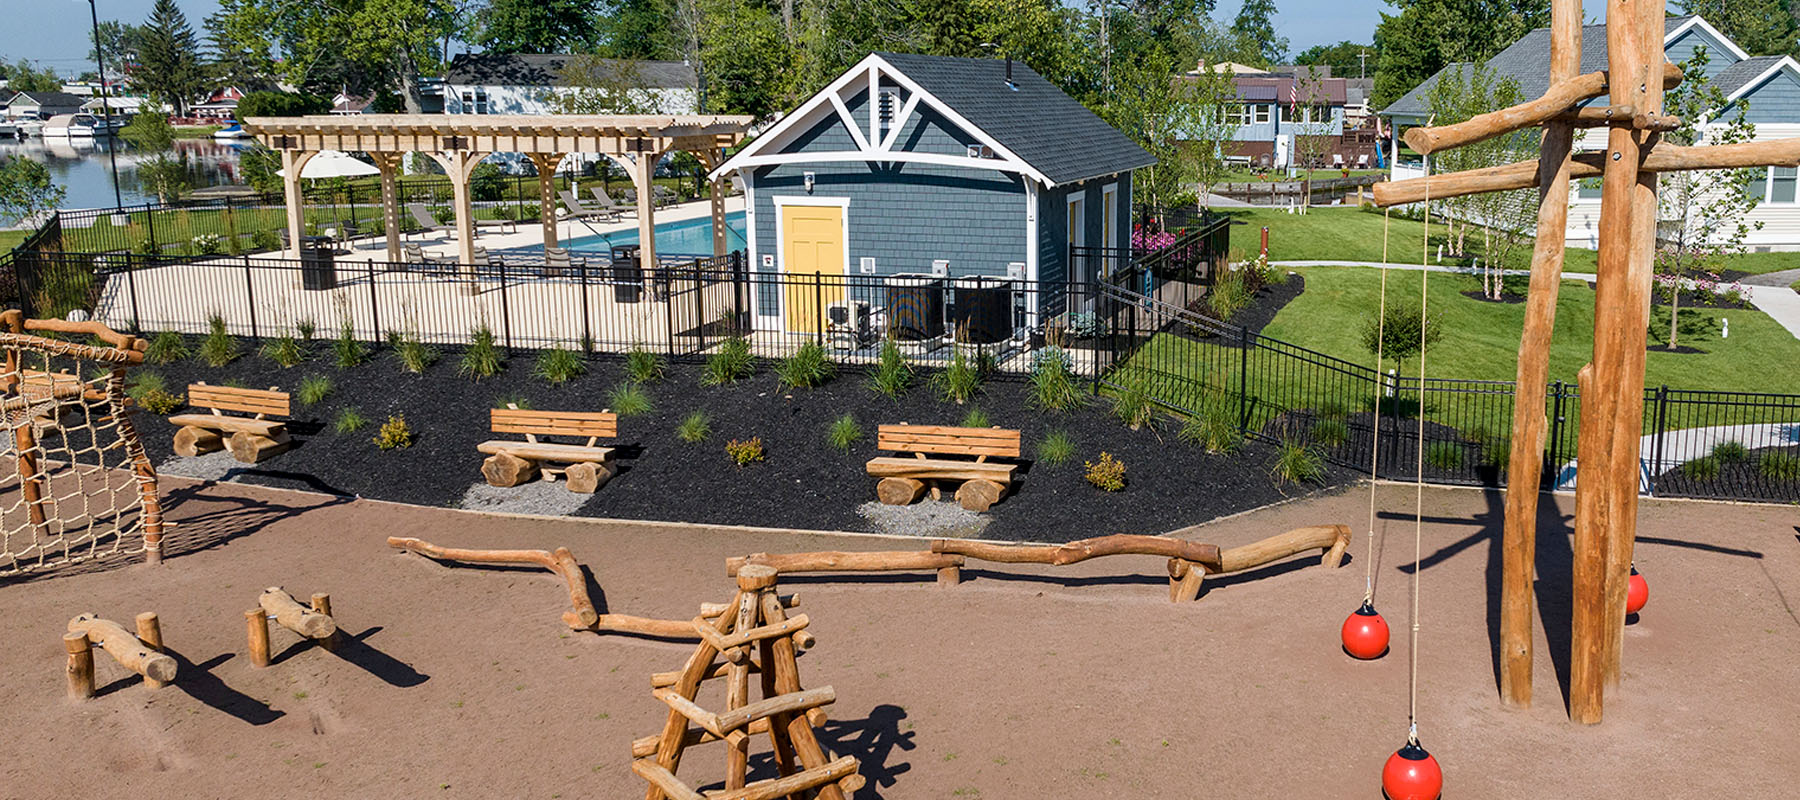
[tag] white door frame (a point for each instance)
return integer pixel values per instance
(781, 202)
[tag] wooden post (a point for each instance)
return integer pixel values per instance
(256, 622)
(1525, 463)
(389, 164)
(81, 665)
(149, 631)
(643, 175)
(460, 165)
(293, 162)
(1587, 569)
(321, 604)
(546, 164)
(131, 652)
(712, 158)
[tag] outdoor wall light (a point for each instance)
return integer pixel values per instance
(808, 179)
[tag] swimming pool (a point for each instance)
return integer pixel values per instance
(689, 237)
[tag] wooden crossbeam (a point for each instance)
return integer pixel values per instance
(1529, 114)
(1658, 158)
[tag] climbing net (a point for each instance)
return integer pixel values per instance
(75, 482)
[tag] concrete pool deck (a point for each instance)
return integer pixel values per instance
(529, 235)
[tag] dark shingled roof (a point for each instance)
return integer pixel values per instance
(1735, 76)
(1049, 130)
(59, 99)
(489, 69)
(1526, 61)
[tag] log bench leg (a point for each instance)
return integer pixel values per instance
(191, 441)
(505, 470)
(899, 491)
(1184, 580)
(979, 495)
(251, 448)
(587, 477)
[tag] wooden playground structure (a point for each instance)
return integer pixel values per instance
(1612, 383)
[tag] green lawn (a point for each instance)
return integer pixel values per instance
(1348, 234)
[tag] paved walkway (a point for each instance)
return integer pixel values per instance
(1687, 444)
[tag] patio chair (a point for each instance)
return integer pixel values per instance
(664, 196)
(1362, 161)
(558, 260)
(578, 211)
(423, 218)
(609, 204)
(1337, 160)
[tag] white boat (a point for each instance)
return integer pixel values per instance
(9, 130)
(74, 126)
(233, 131)
(30, 127)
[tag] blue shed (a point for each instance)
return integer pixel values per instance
(937, 168)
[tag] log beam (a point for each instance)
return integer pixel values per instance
(561, 562)
(835, 561)
(1658, 157)
(130, 651)
(295, 617)
(1560, 97)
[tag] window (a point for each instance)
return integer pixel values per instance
(1236, 114)
(481, 101)
(1259, 113)
(468, 102)
(1781, 186)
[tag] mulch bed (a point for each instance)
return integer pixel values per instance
(803, 484)
(1738, 480)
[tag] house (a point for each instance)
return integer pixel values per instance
(41, 105)
(489, 83)
(219, 106)
(939, 168)
(1767, 87)
(345, 105)
(1283, 121)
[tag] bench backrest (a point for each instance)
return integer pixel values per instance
(587, 424)
(948, 440)
(267, 402)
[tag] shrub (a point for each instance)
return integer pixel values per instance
(1108, 473)
(284, 350)
(558, 365)
(348, 420)
(958, 382)
(512, 400)
(891, 375)
(306, 328)
(1132, 405)
(482, 359)
(745, 451)
(628, 400)
(806, 368)
(394, 433)
(1402, 332)
(1297, 463)
(1086, 325)
(1053, 383)
(314, 389)
(843, 432)
(1704, 468)
(1214, 428)
(1056, 448)
(643, 365)
(1333, 409)
(1444, 455)
(728, 364)
(976, 418)
(694, 428)
(1779, 466)
(347, 349)
(414, 356)
(1330, 432)
(1230, 295)
(152, 393)
(167, 348)
(1730, 452)
(219, 347)
(264, 241)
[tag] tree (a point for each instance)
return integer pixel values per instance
(360, 46)
(537, 26)
(1704, 216)
(638, 29)
(744, 52)
(1506, 219)
(1345, 59)
(1255, 24)
(590, 84)
(27, 76)
(1209, 134)
(169, 177)
(150, 132)
(168, 56)
(1428, 35)
(26, 189)
(1761, 27)
(234, 57)
(281, 104)
(1401, 332)
(117, 43)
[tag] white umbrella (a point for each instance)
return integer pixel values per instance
(334, 164)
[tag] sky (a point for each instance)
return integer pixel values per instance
(55, 32)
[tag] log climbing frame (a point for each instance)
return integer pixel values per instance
(459, 143)
(1611, 384)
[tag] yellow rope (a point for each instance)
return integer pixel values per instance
(1412, 711)
(1387, 216)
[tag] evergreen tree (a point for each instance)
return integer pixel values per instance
(168, 57)
(235, 59)
(1255, 25)
(1761, 27)
(537, 26)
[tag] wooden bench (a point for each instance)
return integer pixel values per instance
(250, 439)
(512, 462)
(904, 480)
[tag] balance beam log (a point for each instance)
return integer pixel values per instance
(838, 561)
(249, 447)
(642, 626)
(979, 495)
(1554, 102)
(1330, 538)
(128, 650)
(295, 617)
(507, 470)
(561, 562)
(191, 441)
(80, 668)
(1078, 551)
(899, 491)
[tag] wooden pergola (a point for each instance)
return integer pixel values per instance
(459, 142)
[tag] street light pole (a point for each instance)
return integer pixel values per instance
(106, 105)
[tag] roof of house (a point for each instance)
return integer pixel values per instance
(1737, 75)
(1051, 131)
(1526, 61)
(49, 99)
(1331, 91)
(491, 69)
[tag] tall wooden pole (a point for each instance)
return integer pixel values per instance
(1525, 465)
(1608, 450)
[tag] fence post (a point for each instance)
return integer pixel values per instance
(1662, 418)
(1244, 379)
(131, 283)
(819, 310)
(1553, 446)
(699, 307)
(150, 222)
(505, 307)
(668, 315)
(374, 305)
(587, 331)
(250, 296)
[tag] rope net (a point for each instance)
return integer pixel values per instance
(75, 482)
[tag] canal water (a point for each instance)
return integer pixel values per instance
(82, 166)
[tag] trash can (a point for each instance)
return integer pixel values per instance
(318, 263)
(627, 274)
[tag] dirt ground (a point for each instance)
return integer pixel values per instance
(1022, 683)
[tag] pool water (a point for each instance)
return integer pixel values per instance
(689, 237)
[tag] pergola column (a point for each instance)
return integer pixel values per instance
(643, 177)
(460, 166)
(711, 159)
(546, 169)
(389, 164)
(292, 162)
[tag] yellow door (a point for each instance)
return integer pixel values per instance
(812, 252)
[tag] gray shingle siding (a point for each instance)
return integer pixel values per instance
(1776, 100)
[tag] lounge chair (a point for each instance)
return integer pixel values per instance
(608, 204)
(423, 218)
(664, 196)
(1362, 161)
(578, 211)
(558, 260)
(1337, 160)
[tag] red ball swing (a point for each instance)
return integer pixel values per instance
(1638, 593)
(1411, 773)
(1365, 633)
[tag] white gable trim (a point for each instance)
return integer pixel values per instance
(1697, 22)
(1786, 62)
(871, 68)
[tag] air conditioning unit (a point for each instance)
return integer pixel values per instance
(847, 324)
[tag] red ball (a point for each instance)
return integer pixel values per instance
(1412, 774)
(1365, 633)
(1638, 594)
